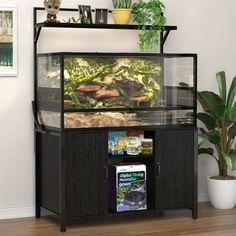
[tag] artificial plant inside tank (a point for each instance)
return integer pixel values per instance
(219, 118)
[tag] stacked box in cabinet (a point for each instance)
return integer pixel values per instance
(127, 187)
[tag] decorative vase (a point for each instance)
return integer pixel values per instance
(121, 15)
(222, 193)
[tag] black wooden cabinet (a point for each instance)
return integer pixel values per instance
(48, 171)
(72, 173)
(176, 182)
(86, 178)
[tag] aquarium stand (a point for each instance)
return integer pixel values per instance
(92, 114)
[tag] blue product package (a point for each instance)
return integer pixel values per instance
(116, 143)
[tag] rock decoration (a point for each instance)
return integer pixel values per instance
(99, 119)
(89, 120)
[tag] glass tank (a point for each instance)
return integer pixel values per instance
(89, 90)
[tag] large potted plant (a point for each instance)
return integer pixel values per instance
(121, 11)
(219, 119)
(149, 13)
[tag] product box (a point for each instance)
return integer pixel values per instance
(134, 142)
(116, 143)
(127, 187)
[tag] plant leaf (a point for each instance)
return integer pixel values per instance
(232, 113)
(212, 103)
(201, 139)
(149, 13)
(230, 160)
(231, 95)
(232, 131)
(203, 130)
(208, 151)
(220, 76)
(207, 120)
(214, 137)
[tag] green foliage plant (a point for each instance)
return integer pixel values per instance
(149, 13)
(219, 119)
(129, 76)
(122, 3)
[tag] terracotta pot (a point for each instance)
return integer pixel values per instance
(121, 15)
(222, 193)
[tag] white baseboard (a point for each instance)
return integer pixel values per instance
(29, 211)
(203, 197)
(17, 212)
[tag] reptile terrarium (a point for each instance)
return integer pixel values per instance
(84, 90)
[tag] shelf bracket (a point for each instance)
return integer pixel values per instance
(37, 34)
(163, 38)
(37, 124)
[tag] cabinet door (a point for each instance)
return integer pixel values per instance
(86, 155)
(175, 184)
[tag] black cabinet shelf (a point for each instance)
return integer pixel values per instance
(130, 156)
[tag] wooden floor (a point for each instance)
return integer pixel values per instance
(211, 222)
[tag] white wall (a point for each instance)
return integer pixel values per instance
(207, 28)
(204, 27)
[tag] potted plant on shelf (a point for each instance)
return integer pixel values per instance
(149, 13)
(219, 119)
(121, 12)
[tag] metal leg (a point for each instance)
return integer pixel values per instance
(63, 227)
(195, 213)
(63, 184)
(37, 211)
(37, 177)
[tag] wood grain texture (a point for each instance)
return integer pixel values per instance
(50, 172)
(211, 222)
(176, 156)
(86, 156)
(81, 175)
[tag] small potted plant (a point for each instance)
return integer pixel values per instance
(149, 13)
(219, 119)
(121, 12)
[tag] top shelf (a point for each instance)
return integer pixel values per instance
(39, 25)
(91, 26)
(95, 26)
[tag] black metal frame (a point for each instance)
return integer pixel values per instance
(44, 130)
(38, 26)
(160, 56)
